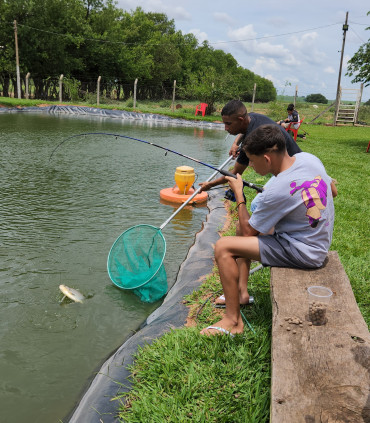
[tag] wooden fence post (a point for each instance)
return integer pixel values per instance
(27, 80)
(17, 60)
(60, 87)
(173, 95)
(254, 96)
(135, 85)
(295, 94)
(98, 91)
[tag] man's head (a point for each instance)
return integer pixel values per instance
(265, 148)
(290, 108)
(235, 117)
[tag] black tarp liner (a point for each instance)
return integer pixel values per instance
(118, 114)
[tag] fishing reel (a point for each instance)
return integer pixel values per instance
(229, 195)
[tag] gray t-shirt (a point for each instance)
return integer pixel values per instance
(299, 204)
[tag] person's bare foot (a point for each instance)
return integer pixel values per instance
(224, 326)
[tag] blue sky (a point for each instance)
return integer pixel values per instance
(308, 56)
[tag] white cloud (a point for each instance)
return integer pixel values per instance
(329, 69)
(179, 13)
(158, 6)
(224, 18)
(201, 36)
(262, 65)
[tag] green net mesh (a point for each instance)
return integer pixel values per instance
(135, 262)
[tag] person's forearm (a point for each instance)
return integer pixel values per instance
(219, 181)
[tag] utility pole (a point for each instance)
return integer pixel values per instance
(17, 59)
(345, 29)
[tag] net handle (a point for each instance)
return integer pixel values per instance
(196, 192)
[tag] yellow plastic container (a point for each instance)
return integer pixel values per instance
(184, 178)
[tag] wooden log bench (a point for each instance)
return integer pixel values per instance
(320, 374)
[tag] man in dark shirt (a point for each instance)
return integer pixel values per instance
(293, 116)
(238, 122)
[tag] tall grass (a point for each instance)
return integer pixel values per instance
(184, 376)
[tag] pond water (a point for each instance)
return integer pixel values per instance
(58, 220)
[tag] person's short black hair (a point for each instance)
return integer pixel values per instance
(265, 139)
(290, 107)
(234, 107)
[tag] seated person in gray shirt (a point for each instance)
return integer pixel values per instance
(298, 204)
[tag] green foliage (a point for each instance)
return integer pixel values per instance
(130, 103)
(84, 39)
(364, 113)
(316, 98)
(277, 111)
(359, 64)
(71, 86)
(165, 103)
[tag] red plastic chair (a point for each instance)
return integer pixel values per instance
(201, 108)
(294, 130)
(368, 147)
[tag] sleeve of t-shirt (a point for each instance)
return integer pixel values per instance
(271, 209)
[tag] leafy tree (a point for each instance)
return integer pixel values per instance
(316, 98)
(84, 39)
(359, 65)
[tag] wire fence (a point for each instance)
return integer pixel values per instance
(100, 91)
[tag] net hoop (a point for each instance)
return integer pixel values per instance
(119, 240)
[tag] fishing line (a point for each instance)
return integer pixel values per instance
(223, 172)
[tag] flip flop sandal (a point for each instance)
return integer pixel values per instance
(221, 330)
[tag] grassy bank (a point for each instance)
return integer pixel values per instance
(275, 110)
(183, 376)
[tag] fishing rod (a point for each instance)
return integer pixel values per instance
(223, 172)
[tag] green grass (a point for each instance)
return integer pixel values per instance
(184, 377)
(275, 110)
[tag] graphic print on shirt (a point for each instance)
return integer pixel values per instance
(314, 194)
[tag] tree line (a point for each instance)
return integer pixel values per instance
(84, 39)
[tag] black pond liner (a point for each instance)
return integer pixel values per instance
(112, 379)
(118, 114)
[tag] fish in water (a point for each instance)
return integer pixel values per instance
(71, 293)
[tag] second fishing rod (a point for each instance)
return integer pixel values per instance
(223, 172)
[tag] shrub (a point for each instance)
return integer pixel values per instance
(165, 103)
(316, 98)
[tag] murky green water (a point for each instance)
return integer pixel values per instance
(58, 221)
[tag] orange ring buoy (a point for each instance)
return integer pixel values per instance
(172, 195)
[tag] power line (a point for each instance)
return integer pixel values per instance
(351, 29)
(213, 43)
(275, 36)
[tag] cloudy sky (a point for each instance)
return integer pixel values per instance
(296, 43)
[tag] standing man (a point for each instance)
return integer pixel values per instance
(298, 204)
